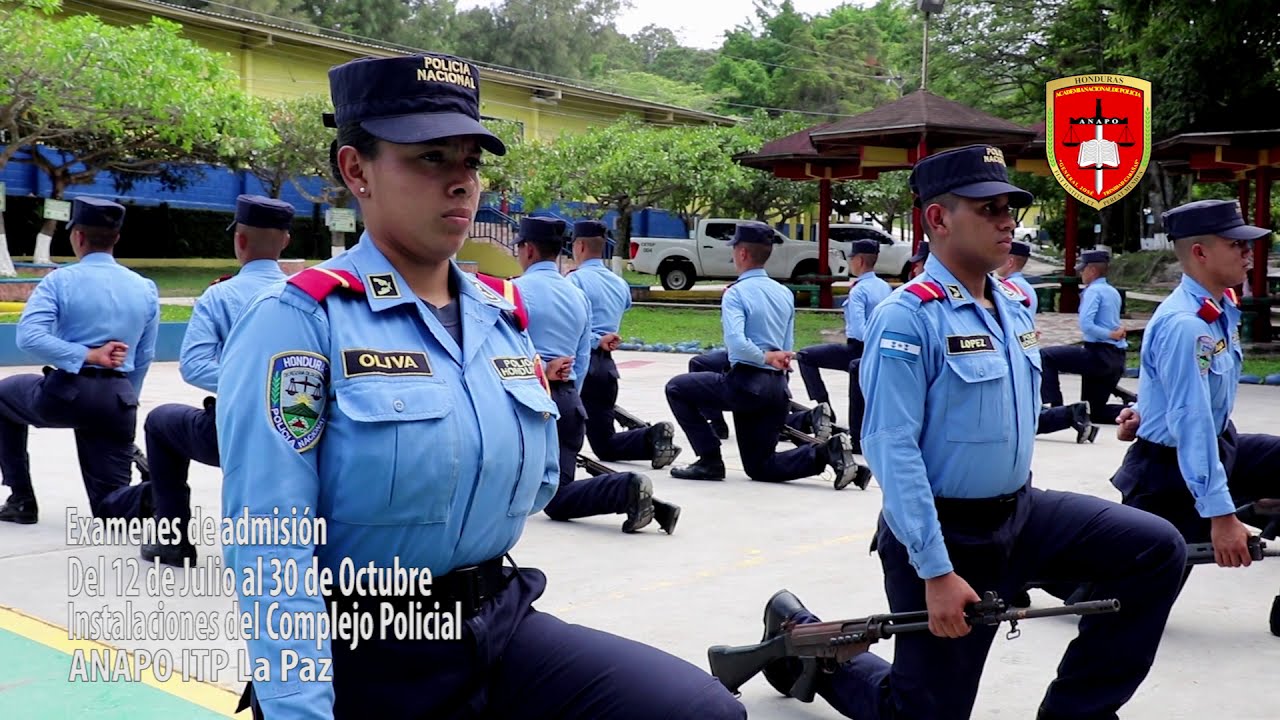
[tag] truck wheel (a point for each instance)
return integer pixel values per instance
(677, 276)
(807, 268)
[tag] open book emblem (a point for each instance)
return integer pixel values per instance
(1098, 135)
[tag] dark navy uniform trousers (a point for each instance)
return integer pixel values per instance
(998, 544)
(830, 356)
(1150, 479)
(1054, 419)
(176, 435)
(718, 361)
(599, 398)
(102, 407)
(600, 495)
(1099, 365)
(759, 400)
(517, 662)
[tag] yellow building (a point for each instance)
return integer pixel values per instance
(279, 61)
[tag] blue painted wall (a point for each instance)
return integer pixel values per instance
(168, 344)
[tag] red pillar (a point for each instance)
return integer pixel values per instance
(1069, 298)
(824, 230)
(917, 220)
(1261, 218)
(1242, 190)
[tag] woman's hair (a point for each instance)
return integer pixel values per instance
(357, 137)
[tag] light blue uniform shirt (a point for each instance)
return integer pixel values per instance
(953, 399)
(608, 294)
(867, 292)
(212, 317)
(1187, 388)
(559, 317)
(1018, 279)
(758, 314)
(1100, 313)
(363, 410)
(86, 305)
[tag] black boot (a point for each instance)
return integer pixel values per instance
(703, 469)
(840, 456)
(821, 421)
(1086, 431)
(666, 514)
(22, 511)
(781, 674)
(170, 554)
(660, 440)
(639, 503)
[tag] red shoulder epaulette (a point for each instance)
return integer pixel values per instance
(926, 291)
(1209, 311)
(1232, 296)
(1014, 287)
(224, 277)
(320, 282)
(508, 291)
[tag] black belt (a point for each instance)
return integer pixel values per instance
(471, 586)
(601, 352)
(743, 367)
(93, 372)
(557, 384)
(976, 511)
(1104, 346)
(1156, 451)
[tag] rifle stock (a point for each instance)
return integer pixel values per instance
(627, 420)
(593, 466)
(823, 642)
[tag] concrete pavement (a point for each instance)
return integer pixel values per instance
(737, 542)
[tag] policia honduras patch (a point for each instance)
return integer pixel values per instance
(385, 362)
(966, 344)
(297, 391)
(516, 368)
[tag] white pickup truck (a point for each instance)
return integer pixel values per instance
(679, 262)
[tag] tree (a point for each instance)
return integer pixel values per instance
(554, 37)
(302, 149)
(884, 199)
(181, 107)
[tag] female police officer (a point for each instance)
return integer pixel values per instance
(399, 400)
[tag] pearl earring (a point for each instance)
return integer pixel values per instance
(361, 191)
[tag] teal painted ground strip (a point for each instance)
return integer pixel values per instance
(34, 686)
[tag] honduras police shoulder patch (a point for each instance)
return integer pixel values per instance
(297, 391)
(1205, 350)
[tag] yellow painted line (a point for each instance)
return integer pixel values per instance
(206, 695)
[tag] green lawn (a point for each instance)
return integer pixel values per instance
(660, 325)
(184, 281)
(168, 313)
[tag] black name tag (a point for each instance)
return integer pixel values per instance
(514, 368)
(962, 344)
(385, 362)
(1028, 340)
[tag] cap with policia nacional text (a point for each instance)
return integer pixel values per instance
(262, 212)
(410, 99)
(975, 172)
(1210, 217)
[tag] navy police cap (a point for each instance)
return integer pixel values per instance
(1210, 217)
(262, 212)
(922, 253)
(410, 99)
(589, 229)
(975, 171)
(1093, 256)
(869, 247)
(753, 232)
(1020, 249)
(540, 230)
(96, 212)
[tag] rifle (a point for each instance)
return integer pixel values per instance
(595, 467)
(627, 420)
(841, 640)
(1202, 553)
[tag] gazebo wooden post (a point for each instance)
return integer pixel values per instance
(1069, 298)
(1261, 218)
(917, 218)
(825, 300)
(1242, 192)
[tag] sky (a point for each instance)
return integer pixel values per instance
(698, 23)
